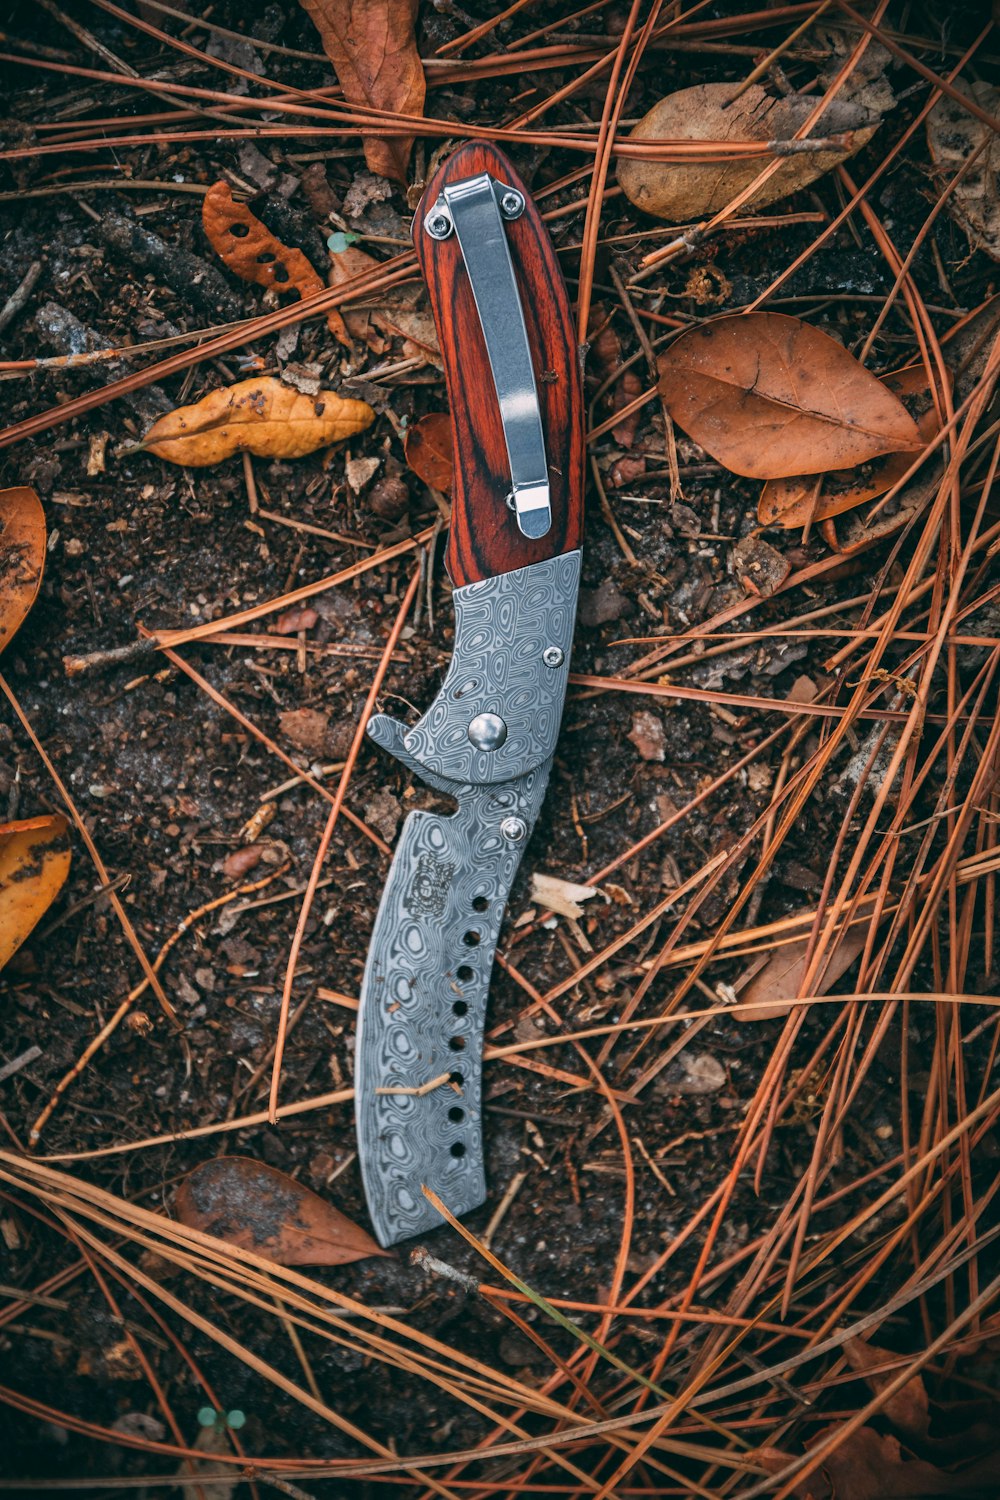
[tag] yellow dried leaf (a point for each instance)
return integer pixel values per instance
(259, 416)
(34, 863)
(22, 556)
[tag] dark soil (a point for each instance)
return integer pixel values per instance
(166, 780)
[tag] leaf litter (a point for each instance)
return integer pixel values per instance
(965, 149)
(373, 48)
(709, 112)
(430, 450)
(255, 1207)
(800, 499)
(22, 557)
(34, 863)
(252, 252)
(770, 396)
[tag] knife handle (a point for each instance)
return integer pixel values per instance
(486, 538)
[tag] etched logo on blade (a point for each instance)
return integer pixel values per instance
(428, 893)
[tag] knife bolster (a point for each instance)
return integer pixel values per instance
(513, 636)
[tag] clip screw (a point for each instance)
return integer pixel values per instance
(438, 225)
(552, 656)
(512, 205)
(514, 829)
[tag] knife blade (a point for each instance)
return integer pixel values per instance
(488, 739)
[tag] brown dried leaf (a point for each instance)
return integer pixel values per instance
(605, 345)
(260, 416)
(373, 49)
(760, 567)
(34, 863)
(400, 314)
(802, 498)
(647, 735)
(606, 357)
(360, 472)
(909, 1409)
(626, 470)
(953, 136)
(702, 1074)
(768, 395)
(241, 861)
(683, 192)
(256, 1207)
(22, 557)
(430, 452)
(870, 1465)
(780, 980)
(306, 727)
(626, 390)
(251, 251)
(291, 621)
(774, 1461)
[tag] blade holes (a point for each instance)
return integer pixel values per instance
(239, 231)
(471, 939)
(280, 273)
(457, 1148)
(465, 974)
(456, 1078)
(480, 904)
(456, 1114)
(457, 1043)
(265, 258)
(459, 1008)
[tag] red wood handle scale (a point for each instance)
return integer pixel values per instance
(485, 539)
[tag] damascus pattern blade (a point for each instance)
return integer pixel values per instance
(423, 1004)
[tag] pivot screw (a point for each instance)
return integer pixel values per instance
(438, 226)
(514, 829)
(512, 205)
(552, 656)
(487, 731)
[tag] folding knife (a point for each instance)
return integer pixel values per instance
(488, 739)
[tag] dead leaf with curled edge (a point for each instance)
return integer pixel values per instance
(682, 191)
(430, 450)
(560, 896)
(22, 556)
(260, 416)
(373, 48)
(865, 1465)
(401, 313)
(909, 1409)
(768, 396)
(255, 1207)
(34, 862)
(802, 498)
(251, 251)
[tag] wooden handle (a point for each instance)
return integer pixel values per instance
(484, 538)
